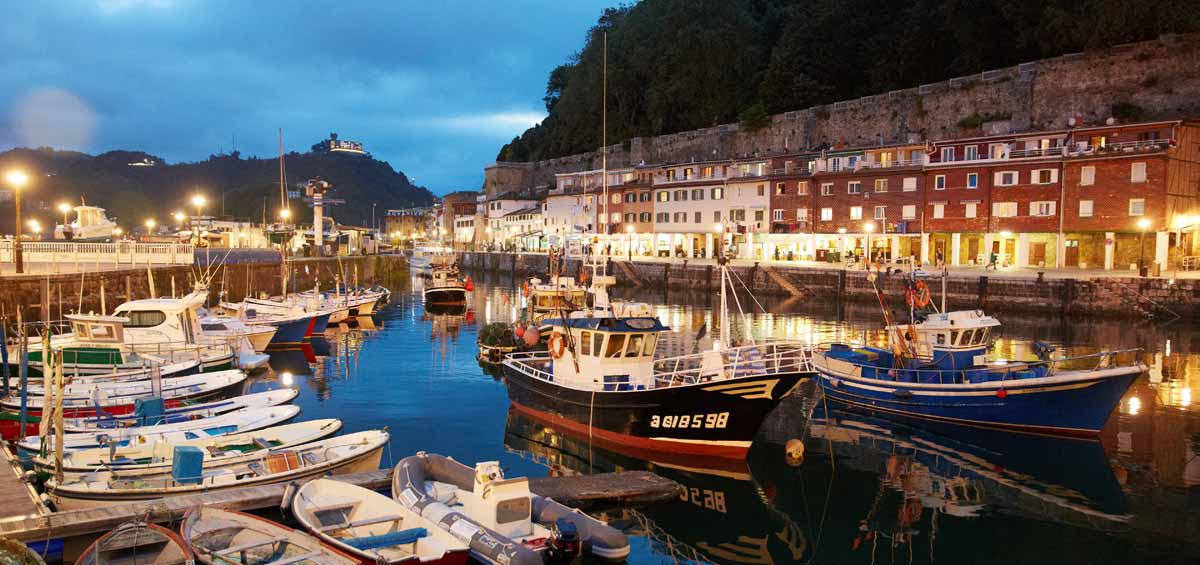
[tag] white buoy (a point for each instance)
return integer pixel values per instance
(795, 452)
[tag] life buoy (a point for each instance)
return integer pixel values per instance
(917, 295)
(556, 344)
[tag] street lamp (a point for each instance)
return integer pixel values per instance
(150, 223)
(720, 250)
(35, 226)
(65, 208)
(117, 231)
(630, 229)
(869, 227)
(1142, 224)
(198, 201)
(17, 180)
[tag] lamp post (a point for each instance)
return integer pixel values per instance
(65, 208)
(1142, 225)
(35, 227)
(869, 227)
(150, 223)
(198, 201)
(630, 230)
(719, 230)
(17, 180)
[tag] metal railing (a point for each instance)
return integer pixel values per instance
(891, 164)
(750, 360)
(1124, 146)
(83, 254)
(1092, 361)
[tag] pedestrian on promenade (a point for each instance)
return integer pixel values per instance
(992, 261)
(941, 261)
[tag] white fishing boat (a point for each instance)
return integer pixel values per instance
(119, 398)
(183, 413)
(156, 454)
(226, 537)
(444, 288)
(353, 453)
(91, 224)
(500, 519)
(239, 421)
(373, 527)
(229, 327)
(423, 258)
(169, 370)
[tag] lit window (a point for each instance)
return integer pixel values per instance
(910, 184)
(970, 209)
(856, 212)
(939, 211)
(1087, 176)
(1137, 206)
(826, 189)
(1041, 208)
(1085, 208)
(881, 185)
(909, 212)
(826, 214)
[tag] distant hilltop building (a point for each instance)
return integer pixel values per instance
(145, 162)
(339, 145)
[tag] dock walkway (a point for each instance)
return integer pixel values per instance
(18, 501)
(608, 489)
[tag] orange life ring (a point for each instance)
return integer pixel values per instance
(918, 296)
(556, 344)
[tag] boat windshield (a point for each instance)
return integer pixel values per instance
(144, 318)
(616, 344)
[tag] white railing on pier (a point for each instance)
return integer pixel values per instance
(83, 255)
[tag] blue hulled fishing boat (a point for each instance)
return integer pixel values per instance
(936, 368)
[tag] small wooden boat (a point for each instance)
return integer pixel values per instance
(168, 370)
(119, 398)
(373, 527)
(353, 453)
(13, 552)
(228, 537)
(137, 543)
(10, 425)
(444, 288)
(241, 421)
(186, 411)
(501, 520)
(157, 454)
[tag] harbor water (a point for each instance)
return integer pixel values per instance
(823, 483)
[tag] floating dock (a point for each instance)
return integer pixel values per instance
(24, 518)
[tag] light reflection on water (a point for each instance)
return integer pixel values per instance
(868, 490)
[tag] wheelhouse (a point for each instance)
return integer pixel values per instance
(610, 354)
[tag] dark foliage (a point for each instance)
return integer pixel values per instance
(675, 65)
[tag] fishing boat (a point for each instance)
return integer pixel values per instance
(228, 327)
(10, 425)
(119, 398)
(169, 370)
(13, 552)
(183, 412)
(352, 453)
(424, 258)
(373, 527)
(156, 453)
(499, 518)
(138, 542)
(257, 308)
(936, 367)
(599, 375)
(90, 225)
(444, 288)
(239, 421)
(496, 340)
(226, 537)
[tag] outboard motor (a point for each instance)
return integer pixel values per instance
(563, 545)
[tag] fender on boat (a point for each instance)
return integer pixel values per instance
(408, 487)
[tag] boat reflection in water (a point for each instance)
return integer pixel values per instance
(938, 488)
(721, 517)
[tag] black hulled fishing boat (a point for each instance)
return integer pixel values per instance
(599, 376)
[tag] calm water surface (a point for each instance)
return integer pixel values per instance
(867, 490)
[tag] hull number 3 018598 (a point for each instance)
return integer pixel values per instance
(711, 421)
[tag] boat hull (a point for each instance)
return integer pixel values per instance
(74, 500)
(319, 325)
(1076, 405)
(290, 332)
(718, 419)
(446, 296)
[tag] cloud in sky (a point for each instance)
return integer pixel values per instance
(432, 87)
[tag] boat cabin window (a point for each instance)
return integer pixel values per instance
(651, 342)
(597, 339)
(616, 344)
(79, 329)
(635, 345)
(586, 343)
(144, 318)
(101, 331)
(968, 337)
(984, 334)
(213, 327)
(941, 338)
(953, 337)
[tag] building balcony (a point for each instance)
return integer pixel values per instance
(893, 164)
(1143, 146)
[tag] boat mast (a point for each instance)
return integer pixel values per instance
(604, 148)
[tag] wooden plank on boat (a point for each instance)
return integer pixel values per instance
(607, 489)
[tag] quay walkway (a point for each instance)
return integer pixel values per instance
(18, 501)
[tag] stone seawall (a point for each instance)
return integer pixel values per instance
(1107, 297)
(42, 297)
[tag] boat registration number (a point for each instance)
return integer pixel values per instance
(717, 420)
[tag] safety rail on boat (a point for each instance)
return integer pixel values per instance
(759, 359)
(1103, 360)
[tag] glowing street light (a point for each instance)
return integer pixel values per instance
(1143, 225)
(117, 231)
(630, 229)
(17, 179)
(868, 227)
(285, 214)
(178, 217)
(35, 226)
(198, 201)
(150, 223)
(65, 208)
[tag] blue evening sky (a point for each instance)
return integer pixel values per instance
(434, 87)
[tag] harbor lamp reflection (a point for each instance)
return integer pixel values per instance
(1142, 224)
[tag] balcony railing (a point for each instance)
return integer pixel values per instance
(1123, 147)
(895, 163)
(1037, 152)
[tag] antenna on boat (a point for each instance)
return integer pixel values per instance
(604, 148)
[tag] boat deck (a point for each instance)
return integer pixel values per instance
(18, 501)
